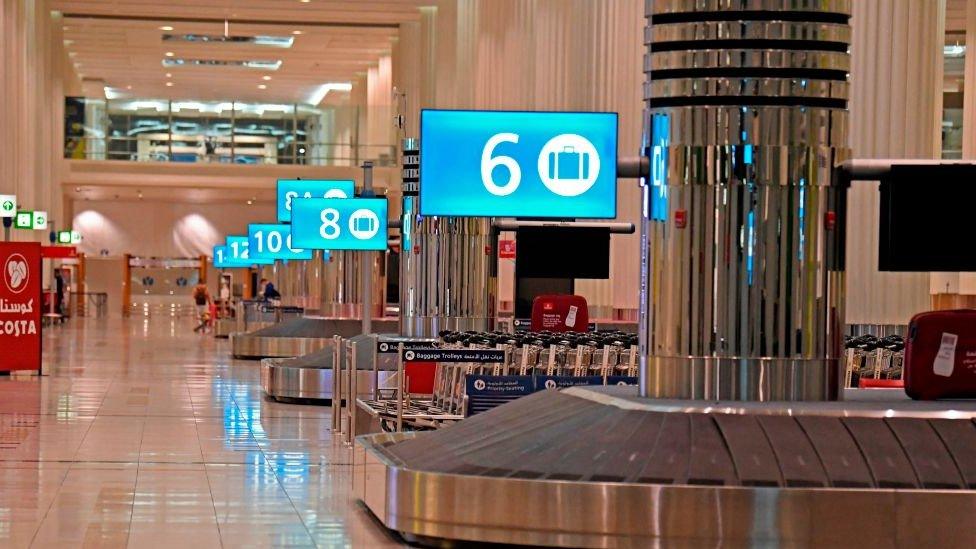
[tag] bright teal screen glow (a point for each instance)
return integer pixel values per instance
(339, 223)
(273, 241)
(518, 164)
(291, 189)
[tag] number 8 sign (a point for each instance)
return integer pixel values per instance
(339, 223)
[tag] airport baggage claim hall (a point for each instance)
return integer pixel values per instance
(452, 273)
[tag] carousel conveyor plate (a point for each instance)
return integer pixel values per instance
(601, 467)
(309, 377)
(299, 336)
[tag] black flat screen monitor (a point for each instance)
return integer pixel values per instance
(928, 214)
(562, 252)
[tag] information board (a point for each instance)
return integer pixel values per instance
(273, 241)
(222, 260)
(239, 251)
(339, 223)
(291, 189)
(518, 164)
(20, 306)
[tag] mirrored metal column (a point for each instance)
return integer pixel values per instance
(341, 294)
(743, 229)
(448, 272)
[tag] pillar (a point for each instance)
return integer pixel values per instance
(896, 108)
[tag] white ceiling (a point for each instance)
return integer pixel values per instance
(119, 44)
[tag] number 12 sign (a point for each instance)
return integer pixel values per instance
(518, 164)
(339, 223)
(239, 251)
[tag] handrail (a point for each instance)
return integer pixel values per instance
(236, 149)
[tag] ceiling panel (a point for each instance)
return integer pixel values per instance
(121, 43)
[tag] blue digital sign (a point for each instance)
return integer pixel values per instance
(657, 195)
(339, 223)
(222, 260)
(518, 164)
(273, 241)
(238, 250)
(291, 189)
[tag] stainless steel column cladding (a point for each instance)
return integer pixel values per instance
(448, 272)
(341, 295)
(743, 217)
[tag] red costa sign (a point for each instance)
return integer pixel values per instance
(20, 306)
(59, 252)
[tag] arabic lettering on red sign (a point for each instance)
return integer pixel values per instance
(20, 310)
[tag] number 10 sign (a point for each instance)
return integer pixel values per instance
(518, 164)
(339, 223)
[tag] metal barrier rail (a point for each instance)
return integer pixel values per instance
(91, 304)
(241, 150)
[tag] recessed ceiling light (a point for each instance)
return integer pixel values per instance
(262, 87)
(170, 54)
(296, 32)
(169, 75)
(266, 77)
(169, 84)
(128, 87)
(249, 202)
(166, 28)
(77, 189)
(304, 1)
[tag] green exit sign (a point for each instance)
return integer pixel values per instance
(64, 237)
(24, 220)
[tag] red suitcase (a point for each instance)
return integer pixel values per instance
(940, 355)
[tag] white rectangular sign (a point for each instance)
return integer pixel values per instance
(8, 205)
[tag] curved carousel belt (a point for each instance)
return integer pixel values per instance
(601, 467)
(298, 336)
(309, 377)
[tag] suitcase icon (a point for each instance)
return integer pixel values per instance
(569, 164)
(363, 224)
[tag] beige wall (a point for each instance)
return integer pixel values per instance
(539, 55)
(162, 229)
(33, 75)
(896, 107)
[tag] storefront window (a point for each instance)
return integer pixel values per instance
(154, 130)
(953, 91)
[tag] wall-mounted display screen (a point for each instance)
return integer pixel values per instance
(926, 221)
(518, 164)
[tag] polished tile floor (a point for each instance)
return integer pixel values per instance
(143, 434)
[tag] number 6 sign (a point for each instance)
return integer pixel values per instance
(518, 164)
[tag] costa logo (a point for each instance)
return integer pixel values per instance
(16, 273)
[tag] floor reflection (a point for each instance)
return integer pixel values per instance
(144, 434)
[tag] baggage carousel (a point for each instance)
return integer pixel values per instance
(309, 377)
(299, 336)
(602, 467)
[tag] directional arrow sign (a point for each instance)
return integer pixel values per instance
(8, 205)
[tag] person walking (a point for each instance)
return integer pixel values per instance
(201, 298)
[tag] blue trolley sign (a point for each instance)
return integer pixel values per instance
(291, 189)
(273, 241)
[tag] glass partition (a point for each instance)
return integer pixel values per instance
(160, 130)
(953, 94)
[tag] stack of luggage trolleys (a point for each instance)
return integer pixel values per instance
(871, 357)
(586, 359)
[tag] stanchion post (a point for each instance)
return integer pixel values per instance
(350, 396)
(353, 394)
(400, 385)
(366, 258)
(336, 385)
